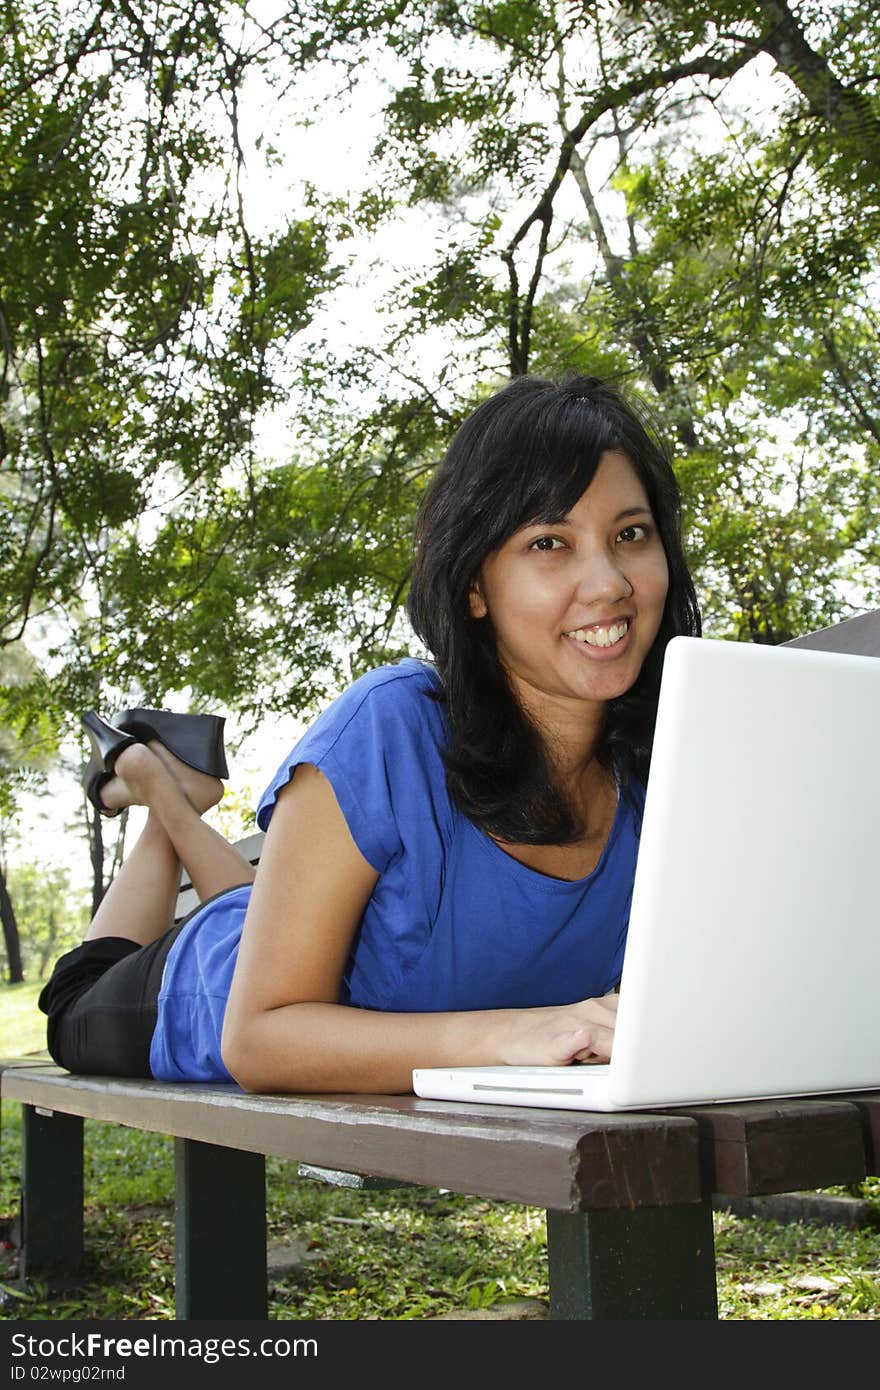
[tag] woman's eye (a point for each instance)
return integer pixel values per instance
(546, 543)
(633, 533)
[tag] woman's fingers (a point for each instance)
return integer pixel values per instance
(557, 1036)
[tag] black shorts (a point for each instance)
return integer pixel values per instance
(102, 1003)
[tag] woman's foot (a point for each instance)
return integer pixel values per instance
(140, 769)
(200, 789)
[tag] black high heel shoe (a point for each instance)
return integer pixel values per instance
(107, 743)
(196, 739)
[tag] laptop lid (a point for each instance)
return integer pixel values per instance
(753, 951)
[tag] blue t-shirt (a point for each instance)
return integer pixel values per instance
(454, 923)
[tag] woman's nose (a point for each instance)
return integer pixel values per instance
(602, 577)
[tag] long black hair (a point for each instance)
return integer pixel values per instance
(526, 454)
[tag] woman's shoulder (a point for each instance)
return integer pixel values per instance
(379, 745)
(385, 727)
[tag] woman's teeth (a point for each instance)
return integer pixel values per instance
(600, 636)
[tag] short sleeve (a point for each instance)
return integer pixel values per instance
(378, 745)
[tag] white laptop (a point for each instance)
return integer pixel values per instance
(752, 965)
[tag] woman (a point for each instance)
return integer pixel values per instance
(450, 849)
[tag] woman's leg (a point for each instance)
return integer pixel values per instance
(102, 999)
(139, 904)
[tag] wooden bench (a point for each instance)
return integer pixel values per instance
(628, 1197)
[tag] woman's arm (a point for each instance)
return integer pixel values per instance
(284, 1030)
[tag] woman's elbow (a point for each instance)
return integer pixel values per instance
(241, 1057)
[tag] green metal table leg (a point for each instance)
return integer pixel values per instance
(654, 1262)
(51, 1193)
(220, 1232)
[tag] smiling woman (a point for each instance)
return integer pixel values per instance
(575, 610)
(450, 848)
(534, 496)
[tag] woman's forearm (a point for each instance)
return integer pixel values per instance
(337, 1047)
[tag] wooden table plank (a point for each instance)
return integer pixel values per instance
(562, 1160)
(868, 1105)
(756, 1147)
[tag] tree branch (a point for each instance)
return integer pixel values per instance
(842, 109)
(856, 407)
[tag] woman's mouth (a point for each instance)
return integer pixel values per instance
(602, 640)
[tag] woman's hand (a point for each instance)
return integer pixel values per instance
(555, 1036)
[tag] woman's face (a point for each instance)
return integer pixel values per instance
(576, 604)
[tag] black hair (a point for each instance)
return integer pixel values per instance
(528, 453)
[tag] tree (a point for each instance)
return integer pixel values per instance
(27, 745)
(140, 324)
(140, 317)
(680, 195)
(53, 914)
(717, 242)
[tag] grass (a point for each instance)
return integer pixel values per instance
(22, 1026)
(392, 1255)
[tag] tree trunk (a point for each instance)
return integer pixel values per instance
(10, 933)
(47, 950)
(96, 855)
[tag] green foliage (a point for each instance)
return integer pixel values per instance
(28, 733)
(733, 284)
(681, 196)
(22, 1026)
(141, 317)
(52, 914)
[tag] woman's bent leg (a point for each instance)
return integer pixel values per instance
(102, 998)
(139, 904)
